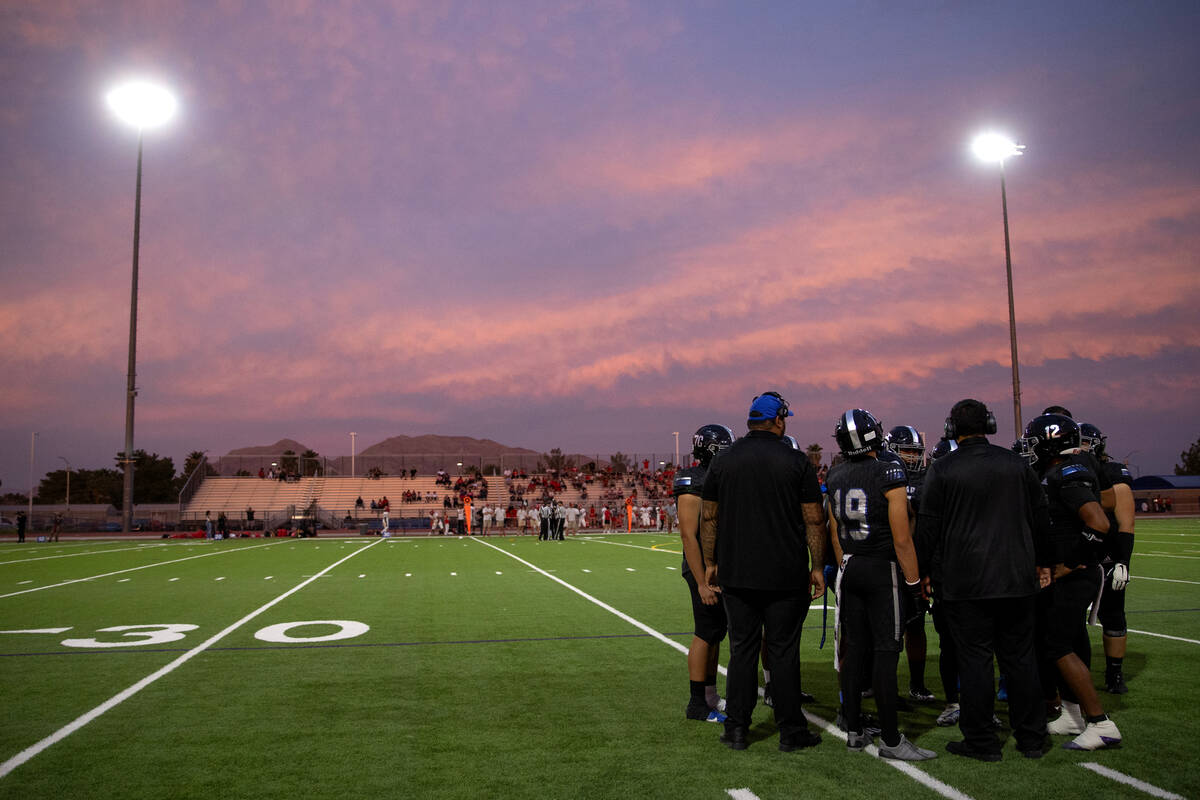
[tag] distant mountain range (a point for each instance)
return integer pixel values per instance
(399, 446)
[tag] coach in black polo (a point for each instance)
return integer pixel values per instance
(761, 520)
(984, 520)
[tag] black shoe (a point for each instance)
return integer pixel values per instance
(1037, 751)
(963, 749)
(798, 741)
(1115, 683)
(805, 697)
(734, 738)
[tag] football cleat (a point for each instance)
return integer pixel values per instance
(1115, 683)
(1069, 723)
(921, 695)
(904, 750)
(1096, 736)
(703, 713)
(949, 715)
(857, 741)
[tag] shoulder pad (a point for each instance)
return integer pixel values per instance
(683, 481)
(895, 474)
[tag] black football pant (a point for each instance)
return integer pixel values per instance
(1002, 629)
(780, 615)
(870, 620)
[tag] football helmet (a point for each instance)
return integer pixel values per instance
(1024, 448)
(1090, 438)
(858, 432)
(907, 442)
(1050, 436)
(790, 441)
(708, 440)
(943, 447)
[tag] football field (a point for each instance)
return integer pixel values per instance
(484, 668)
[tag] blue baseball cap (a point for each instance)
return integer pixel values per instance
(767, 406)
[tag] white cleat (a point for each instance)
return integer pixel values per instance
(1096, 736)
(1069, 723)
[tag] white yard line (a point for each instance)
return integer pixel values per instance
(741, 794)
(1165, 636)
(1165, 580)
(114, 701)
(1164, 555)
(86, 553)
(916, 774)
(1121, 777)
(135, 569)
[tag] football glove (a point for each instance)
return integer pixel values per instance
(1120, 576)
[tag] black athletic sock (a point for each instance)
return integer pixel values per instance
(1097, 718)
(916, 674)
(698, 692)
(1113, 665)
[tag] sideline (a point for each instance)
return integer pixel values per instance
(114, 701)
(915, 773)
(144, 566)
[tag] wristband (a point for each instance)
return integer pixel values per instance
(1123, 547)
(1092, 535)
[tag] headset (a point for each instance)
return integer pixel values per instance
(989, 424)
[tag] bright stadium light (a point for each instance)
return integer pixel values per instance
(995, 147)
(141, 105)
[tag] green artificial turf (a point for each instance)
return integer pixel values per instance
(481, 675)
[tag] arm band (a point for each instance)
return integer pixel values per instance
(1123, 547)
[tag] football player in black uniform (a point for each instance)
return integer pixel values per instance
(868, 513)
(708, 611)
(1111, 609)
(1079, 531)
(907, 442)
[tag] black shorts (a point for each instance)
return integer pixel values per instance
(710, 622)
(870, 607)
(1111, 613)
(1063, 610)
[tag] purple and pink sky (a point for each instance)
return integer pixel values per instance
(587, 225)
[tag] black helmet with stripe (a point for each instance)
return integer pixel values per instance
(858, 433)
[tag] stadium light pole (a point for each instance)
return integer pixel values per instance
(141, 105)
(32, 438)
(68, 463)
(352, 435)
(995, 148)
(676, 435)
